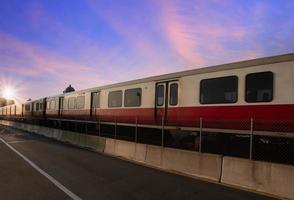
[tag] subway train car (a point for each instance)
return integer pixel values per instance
(53, 106)
(76, 105)
(27, 109)
(39, 108)
(14, 110)
(222, 98)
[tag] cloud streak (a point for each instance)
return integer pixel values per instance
(198, 31)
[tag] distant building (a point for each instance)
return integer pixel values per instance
(2, 102)
(9, 102)
(5, 102)
(69, 89)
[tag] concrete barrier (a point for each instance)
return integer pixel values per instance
(125, 149)
(64, 137)
(154, 155)
(73, 137)
(95, 143)
(101, 144)
(56, 134)
(82, 140)
(47, 132)
(192, 163)
(109, 146)
(140, 152)
(276, 179)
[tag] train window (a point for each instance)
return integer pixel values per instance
(219, 90)
(133, 97)
(52, 104)
(115, 99)
(173, 94)
(41, 106)
(80, 102)
(37, 106)
(65, 104)
(96, 100)
(259, 87)
(159, 95)
(27, 107)
(71, 102)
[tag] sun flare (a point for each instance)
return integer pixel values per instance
(9, 93)
(11, 89)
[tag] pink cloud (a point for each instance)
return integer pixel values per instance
(43, 61)
(197, 31)
(29, 60)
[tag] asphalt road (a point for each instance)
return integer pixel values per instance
(90, 175)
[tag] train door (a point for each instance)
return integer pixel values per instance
(60, 106)
(166, 96)
(32, 109)
(95, 104)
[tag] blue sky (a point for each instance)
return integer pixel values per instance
(46, 45)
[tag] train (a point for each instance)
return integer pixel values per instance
(221, 98)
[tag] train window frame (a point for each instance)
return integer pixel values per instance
(71, 103)
(119, 101)
(138, 91)
(170, 95)
(271, 96)
(163, 97)
(235, 98)
(80, 105)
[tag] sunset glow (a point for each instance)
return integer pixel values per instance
(8, 93)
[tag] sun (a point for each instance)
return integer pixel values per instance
(12, 89)
(9, 93)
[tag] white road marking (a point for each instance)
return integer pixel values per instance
(19, 141)
(50, 178)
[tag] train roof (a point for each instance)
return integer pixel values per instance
(222, 67)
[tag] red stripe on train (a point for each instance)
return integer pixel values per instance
(266, 117)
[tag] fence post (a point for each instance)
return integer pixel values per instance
(86, 128)
(162, 131)
(136, 130)
(115, 128)
(200, 135)
(99, 128)
(251, 138)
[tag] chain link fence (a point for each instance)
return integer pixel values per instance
(265, 140)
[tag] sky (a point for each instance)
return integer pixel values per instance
(47, 45)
